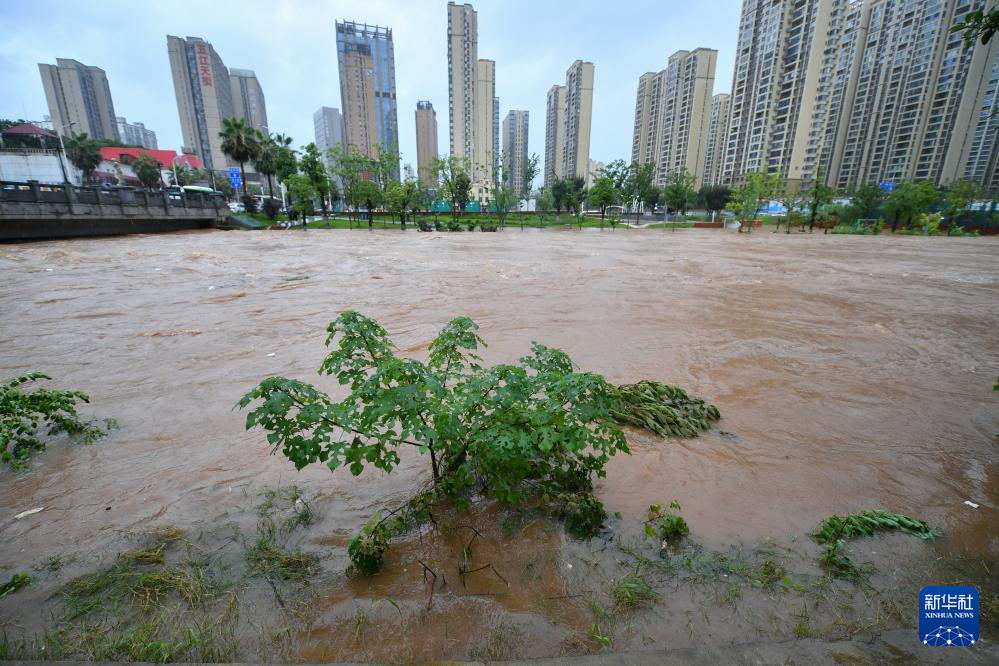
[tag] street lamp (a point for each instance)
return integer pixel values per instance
(62, 153)
(176, 181)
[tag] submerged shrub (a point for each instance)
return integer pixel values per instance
(23, 412)
(534, 431)
(671, 525)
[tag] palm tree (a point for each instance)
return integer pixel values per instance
(265, 161)
(84, 153)
(239, 143)
(147, 170)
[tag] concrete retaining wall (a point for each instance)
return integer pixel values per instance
(31, 211)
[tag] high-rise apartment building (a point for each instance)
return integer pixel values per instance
(135, 134)
(426, 143)
(973, 151)
(685, 111)
(484, 157)
(473, 107)
(328, 125)
(515, 128)
(554, 134)
(644, 138)
(204, 97)
(921, 104)
(578, 119)
(79, 99)
(596, 170)
(463, 63)
(248, 99)
(861, 91)
(714, 154)
(785, 77)
(366, 57)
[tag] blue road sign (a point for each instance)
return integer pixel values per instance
(887, 186)
(234, 178)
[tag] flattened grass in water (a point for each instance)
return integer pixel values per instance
(663, 409)
(268, 555)
(139, 609)
(267, 559)
(835, 530)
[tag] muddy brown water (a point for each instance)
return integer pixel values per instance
(851, 372)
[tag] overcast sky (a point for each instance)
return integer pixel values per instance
(292, 48)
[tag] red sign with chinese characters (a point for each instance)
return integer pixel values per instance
(204, 64)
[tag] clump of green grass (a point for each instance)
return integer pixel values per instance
(771, 573)
(802, 628)
(664, 409)
(835, 530)
(16, 582)
(634, 591)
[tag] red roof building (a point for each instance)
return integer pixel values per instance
(27, 129)
(164, 157)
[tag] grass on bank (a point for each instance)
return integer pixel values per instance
(173, 600)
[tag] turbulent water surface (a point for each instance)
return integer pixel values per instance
(851, 372)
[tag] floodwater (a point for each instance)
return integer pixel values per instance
(851, 373)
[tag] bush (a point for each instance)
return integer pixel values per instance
(873, 229)
(583, 514)
(367, 549)
(534, 432)
(672, 526)
(23, 412)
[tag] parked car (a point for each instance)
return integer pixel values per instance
(236, 207)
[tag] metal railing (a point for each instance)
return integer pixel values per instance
(19, 150)
(35, 192)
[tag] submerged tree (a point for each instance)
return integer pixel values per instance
(22, 413)
(531, 433)
(534, 431)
